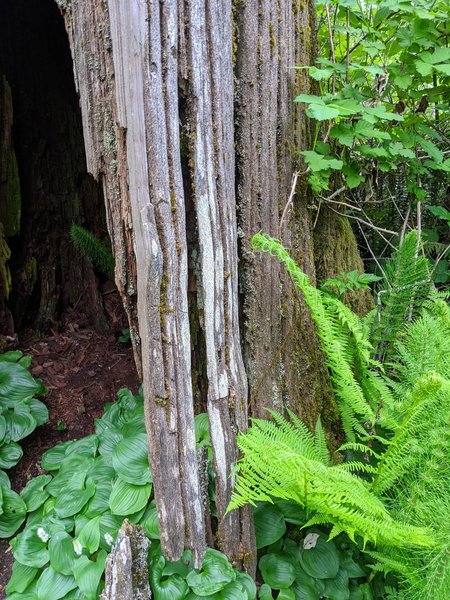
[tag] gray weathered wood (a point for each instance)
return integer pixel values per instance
(211, 119)
(126, 570)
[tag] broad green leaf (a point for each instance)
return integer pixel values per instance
(265, 592)
(88, 573)
(53, 585)
(109, 527)
(130, 459)
(215, 573)
(21, 578)
(338, 587)
(322, 112)
(29, 549)
(181, 567)
(127, 498)
(74, 496)
(397, 149)
(150, 523)
(277, 571)
(109, 435)
(322, 561)
(201, 423)
(34, 494)
(4, 482)
(424, 68)
(172, 587)
(61, 552)
(19, 421)
(13, 515)
(318, 162)
(431, 149)
(38, 410)
(247, 583)
(286, 595)
(10, 454)
(269, 524)
(16, 383)
(351, 567)
(292, 512)
(86, 446)
(89, 536)
(346, 107)
(2, 427)
(51, 459)
(12, 356)
(309, 98)
(305, 586)
(99, 503)
(352, 177)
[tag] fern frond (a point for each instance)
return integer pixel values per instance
(92, 249)
(409, 287)
(272, 467)
(329, 316)
(403, 449)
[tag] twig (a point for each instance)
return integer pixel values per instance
(295, 176)
(372, 253)
(317, 214)
(405, 224)
(378, 229)
(439, 258)
(333, 57)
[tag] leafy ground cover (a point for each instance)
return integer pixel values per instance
(72, 363)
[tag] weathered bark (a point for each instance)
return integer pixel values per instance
(284, 364)
(126, 570)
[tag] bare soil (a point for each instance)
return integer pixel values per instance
(83, 370)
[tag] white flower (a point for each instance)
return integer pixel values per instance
(42, 534)
(109, 539)
(77, 547)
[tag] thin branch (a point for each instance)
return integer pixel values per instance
(295, 176)
(317, 214)
(405, 224)
(438, 259)
(372, 253)
(333, 57)
(371, 225)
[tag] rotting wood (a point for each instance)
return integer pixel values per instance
(210, 116)
(126, 72)
(126, 570)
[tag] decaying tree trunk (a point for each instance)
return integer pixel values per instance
(178, 97)
(126, 571)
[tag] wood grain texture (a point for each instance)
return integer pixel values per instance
(210, 118)
(280, 348)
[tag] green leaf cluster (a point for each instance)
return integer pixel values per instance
(382, 102)
(20, 413)
(76, 510)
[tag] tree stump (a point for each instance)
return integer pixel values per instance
(126, 573)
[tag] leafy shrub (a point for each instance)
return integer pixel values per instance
(20, 414)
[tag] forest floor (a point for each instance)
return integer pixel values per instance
(83, 370)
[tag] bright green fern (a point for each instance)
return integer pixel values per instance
(93, 250)
(396, 495)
